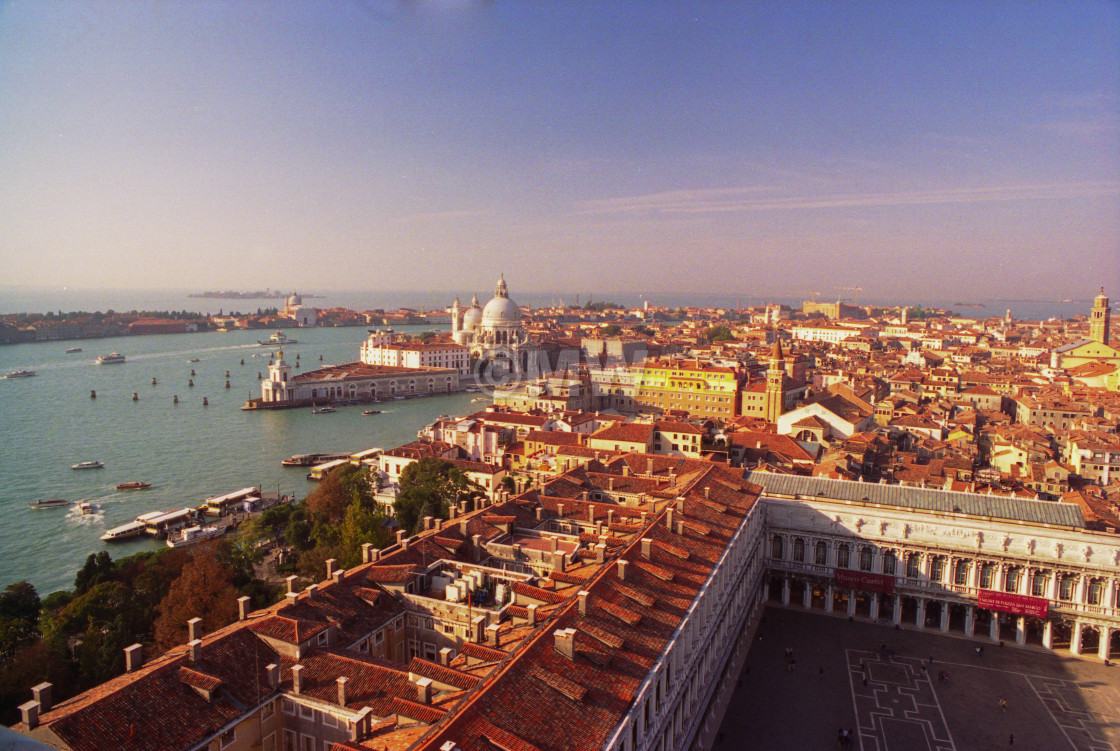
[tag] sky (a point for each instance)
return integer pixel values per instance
(894, 150)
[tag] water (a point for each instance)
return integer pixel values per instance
(188, 452)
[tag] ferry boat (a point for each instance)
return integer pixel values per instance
(123, 532)
(87, 508)
(109, 359)
(222, 505)
(278, 338)
(87, 465)
(50, 503)
(20, 374)
(72, 350)
(193, 535)
(136, 485)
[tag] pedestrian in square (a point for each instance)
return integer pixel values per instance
(1003, 705)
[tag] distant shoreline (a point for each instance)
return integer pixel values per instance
(235, 295)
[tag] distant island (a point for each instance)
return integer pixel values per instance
(968, 305)
(228, 294)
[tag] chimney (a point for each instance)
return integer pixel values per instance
(552, 544)
(133, 657)
(42, 694)
(273, 672)
(445, 656)
(560, 509)
(625, 470)
(332, 564)
(669, 519)
(532, 614)
(492, 635)
(584, 496)
(29, 712)
(680, 527)
(463, 527)
(194, 629)
(600, 552)
(361, 725)
(566, 642)
(610, 517)
(479, 626)
(539, 513)
(427, 523)
(196, 650)
(404, 543)
(454, 511)
(400, 536)
(243, 608)
(292, 597)
(610, 484)
(367, 550)
(558, 561)
(476, 545)
(341, 683)
(591, 514)
(707, 491)
(339, 576)
(583, 594)
(424, 690)
(647, 547)
(311, 590)
(291, 580)
(622, 564)
(649, 467)
(297, 681)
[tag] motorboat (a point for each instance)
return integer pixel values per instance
(322, 410)
(87, 508)
(109, 359)
(87, 465)
(193, 535)
(72, 350)
(20, 374)
(193, 359)
(310, 460)
(278, 338)
(371, 411)
(123, 532)
(51, 503)
(135, 485)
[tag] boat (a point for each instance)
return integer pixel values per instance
(109, 359)
(193, 535)
(20, 374)
(193, 359)
(322, 410)
(87, 465)
(123, 532)
(135, 485)
(278, 338)
(87, 508)
(50, 503)
(72, 350)
(371, 411)
(310, 460)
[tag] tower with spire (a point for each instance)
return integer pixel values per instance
(1099, 319)
(775, 377)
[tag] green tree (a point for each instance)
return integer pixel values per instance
(612, 329)
(19, 618)
(428, 488)
(98, 568)
(719, 333)
(205, 590)
(340, 488)
(643, 330)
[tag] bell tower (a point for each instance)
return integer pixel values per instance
(1099, 319)
(774, 378)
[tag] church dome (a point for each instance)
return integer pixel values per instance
(473, 316)
(501, 309)
(294, 300)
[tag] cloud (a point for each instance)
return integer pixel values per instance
(723, 200)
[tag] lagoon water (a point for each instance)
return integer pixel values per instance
(187, 451)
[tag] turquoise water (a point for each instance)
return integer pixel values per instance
(187, 451)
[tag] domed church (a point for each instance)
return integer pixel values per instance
(496, 335)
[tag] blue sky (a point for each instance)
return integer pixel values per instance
(918, 150)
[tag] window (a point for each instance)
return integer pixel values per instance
(843, 556)
(1093, 594)
(290, 740)
(287, 706)
(889, 562)
(1011, 582)
(986, 572)
(269, 743)
(227, 738)
(321, 638)
(866, 556)
(306, 713)
(1065, 588)
(799, 550)
(307, 742)
(1038, 584)
(379, 636)
(937, 568)
(330, 720)
(961, 575)
(267, 710)
(912, 565)
(822, 553)
(776, 547)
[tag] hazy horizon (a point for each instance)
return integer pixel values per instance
(911, 150)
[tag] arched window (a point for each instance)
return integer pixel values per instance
(1065, 587)
(986, 572)
(960, 577)
(843, 556)
(776, 547)
(912, 565)
(1011, 581)
(799, 550)
(822, 553)
(1038, 583)
(1096, 588)
(937, 568)
(890, 560)
(866, 556)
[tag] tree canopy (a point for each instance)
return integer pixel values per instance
(719, 333)
(428, 488)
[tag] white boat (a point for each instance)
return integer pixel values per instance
(20, 374)
(87, 465)
(193, 535)
(278, 338)
(87, 508)
(112, 357)
(322, 410)
(123, 532)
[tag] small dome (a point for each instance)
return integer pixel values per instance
(472, 317)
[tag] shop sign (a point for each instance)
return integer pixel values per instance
(1007, 602)
(863, 580)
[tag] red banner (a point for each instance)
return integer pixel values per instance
(1006, 602)
(863, 580)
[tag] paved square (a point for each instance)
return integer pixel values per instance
(886, 687)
